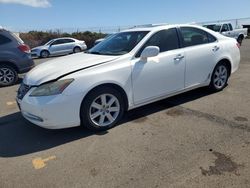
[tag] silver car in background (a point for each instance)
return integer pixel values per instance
(59, 46)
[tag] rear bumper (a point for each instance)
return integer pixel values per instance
(26, 65)
(84, 47)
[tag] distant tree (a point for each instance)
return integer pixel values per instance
(37, 38)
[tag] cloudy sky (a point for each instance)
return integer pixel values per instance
(32, 3)
(59, 14)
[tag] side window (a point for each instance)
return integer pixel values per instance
(4, 40)
(193, 36)
(68, 40)
(225, 28)
(166, 40)
(211, 38)
(59, 41)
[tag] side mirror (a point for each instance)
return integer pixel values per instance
(150, 51)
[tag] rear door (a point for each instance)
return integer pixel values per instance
(232, 33)
(68, 46)
(201, 53)
(160, 75)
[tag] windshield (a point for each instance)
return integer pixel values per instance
(48, 43)
(213, 27)
(118, 44)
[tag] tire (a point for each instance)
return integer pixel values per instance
(77, 50)
(219, 77)
(8, 75)
(44, 54)
(240, 40)
(98, 115)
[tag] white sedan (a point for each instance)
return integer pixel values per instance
(130, 69)
(59, 46)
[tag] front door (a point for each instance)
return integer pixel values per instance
(160, 75)
(57, 47)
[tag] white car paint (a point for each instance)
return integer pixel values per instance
(143, 81)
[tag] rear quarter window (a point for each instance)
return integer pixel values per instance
(4, 40)
(211, 38)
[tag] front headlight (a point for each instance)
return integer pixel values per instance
(53, 88)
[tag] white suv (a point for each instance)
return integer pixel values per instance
(130, 69)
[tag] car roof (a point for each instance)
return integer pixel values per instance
(221, 23)
(3, 30)
(160, 27)
(64, 38)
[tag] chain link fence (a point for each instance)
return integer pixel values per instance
(236, 23)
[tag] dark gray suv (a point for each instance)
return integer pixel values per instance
(15, 58)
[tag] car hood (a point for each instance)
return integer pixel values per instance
(58, 67)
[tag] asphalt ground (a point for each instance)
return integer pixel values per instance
(196, 139)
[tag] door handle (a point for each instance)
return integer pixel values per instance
(179, 57)
(216, 48)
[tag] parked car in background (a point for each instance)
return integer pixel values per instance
(128, 70)
(102, 39)
(15, 58)
(59, 46)
(227, 30)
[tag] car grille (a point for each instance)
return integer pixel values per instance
(22, 91)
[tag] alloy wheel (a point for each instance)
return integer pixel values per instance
(77, 50)
(220, 76)
(44, 54)
(104, 110)
(7, 76)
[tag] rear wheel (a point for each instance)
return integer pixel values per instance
(8, 75)
(220, 77)
(77, 50)
(102, 109)
(44, 54)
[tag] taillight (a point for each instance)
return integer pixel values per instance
(24, 48)
(238, 45)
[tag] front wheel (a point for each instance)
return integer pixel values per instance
(102, 109)
(44, 54)
(219, 77)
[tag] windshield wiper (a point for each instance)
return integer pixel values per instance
(101, 53)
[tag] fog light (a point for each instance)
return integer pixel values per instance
(32, 117)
